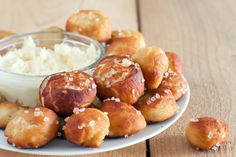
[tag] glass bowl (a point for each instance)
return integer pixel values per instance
(24, 88)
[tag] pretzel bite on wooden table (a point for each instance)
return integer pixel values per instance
(64, 91)
(154, 63)
(7, 112)
(157, 105)
(117, 76)
(87, 127)
(175, 63)
(124, 119)
(207, 133)
(175, 82)
(32, 128)
(92, 23)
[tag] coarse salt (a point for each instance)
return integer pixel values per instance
(194, 120)
(91, 123)
(94, 86)
(81, 126)
(46, 119)
(106, 113)
(37, 113)
(77, 110)
(66, 119)
(126, 62)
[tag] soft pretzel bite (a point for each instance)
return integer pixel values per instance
(175, 82)
(53, 32)
(157, 105)
(32, 128)
(124, 119)
(64, 91)
(206, 133)
(87, 127)
(4, 34)
(126, 33)
(123, 46)
(154, 63)
(7, 112)
(92, 23)
(52, 29)
(117, 76)
(175, 63)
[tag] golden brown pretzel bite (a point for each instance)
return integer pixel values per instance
(175, 82)
(125, 42)
(207, 133)
(64, 91)
(32, 128)
(175, 63)
(123, 46)
(154, 63)
(92, 23)
(87, 127)
(126, 33)
(157, 105)
(7, 112)
(124, 118)
(117, 76)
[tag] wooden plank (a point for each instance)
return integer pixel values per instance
(137, 150)
(204, 35)
(32, 15)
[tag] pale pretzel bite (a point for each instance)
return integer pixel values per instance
(175, 63)
(175, 82)
(126, 33)
(32, 128)
(55, 33)
(157, 105)
(64, 91)
(53, 29)
(123, 46)
(8, 111)
(154, 63)
(92, 23)
(87, 127)
(124, 119)
(207, 133)
(4, 34)
(117, 76)
(125, 42)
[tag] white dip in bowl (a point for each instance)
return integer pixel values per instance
(25, 60)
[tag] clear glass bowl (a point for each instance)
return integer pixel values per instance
(25, 88)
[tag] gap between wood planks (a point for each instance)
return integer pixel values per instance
(140, 29)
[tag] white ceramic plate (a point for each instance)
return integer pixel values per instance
(62, 147)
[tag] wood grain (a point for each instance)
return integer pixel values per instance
(32, 15)
(202, 32)
(204, 35)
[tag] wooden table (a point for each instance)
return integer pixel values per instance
(203, 32)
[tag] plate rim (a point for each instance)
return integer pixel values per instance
(112, 148)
